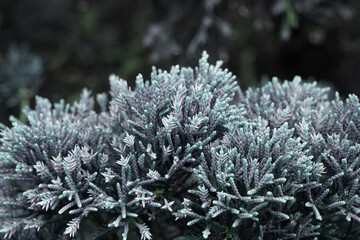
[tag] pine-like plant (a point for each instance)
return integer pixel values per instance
(179, 158)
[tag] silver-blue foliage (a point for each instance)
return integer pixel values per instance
(177, 158)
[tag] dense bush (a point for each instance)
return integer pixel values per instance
(186, 155)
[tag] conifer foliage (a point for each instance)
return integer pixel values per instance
(185, 155)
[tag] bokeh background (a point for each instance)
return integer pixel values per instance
(54, 48)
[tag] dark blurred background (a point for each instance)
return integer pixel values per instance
(54, 48)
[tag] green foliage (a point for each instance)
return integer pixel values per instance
(82, 41)
(21, 75)
(179, 158)
(19, 69)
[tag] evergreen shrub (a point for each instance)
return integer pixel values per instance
(186, 155)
